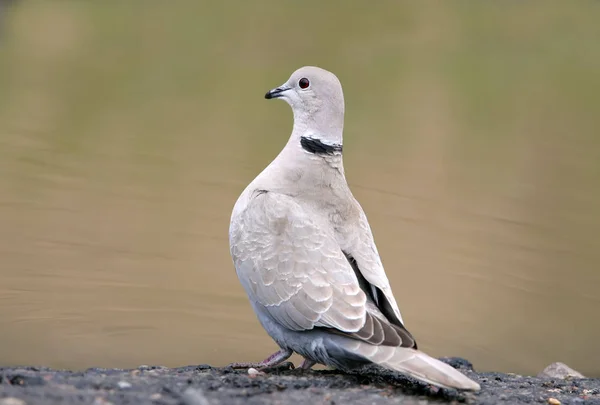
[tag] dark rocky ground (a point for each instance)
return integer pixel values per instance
(203, 385)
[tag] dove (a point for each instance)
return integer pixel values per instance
(304, 252)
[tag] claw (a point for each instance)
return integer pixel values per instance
(288, 365)
(271, 361)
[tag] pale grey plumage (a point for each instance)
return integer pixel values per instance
(304, 252)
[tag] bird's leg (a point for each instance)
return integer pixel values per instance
(307, 364)
(271, 361)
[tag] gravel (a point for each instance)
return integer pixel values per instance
(206, 385)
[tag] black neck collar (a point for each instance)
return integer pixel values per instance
(315, 146)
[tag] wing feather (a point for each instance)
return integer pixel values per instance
(291, 263)
(364, 251)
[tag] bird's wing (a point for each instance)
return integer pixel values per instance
(365, 259)
(294, 268)
(291, 264)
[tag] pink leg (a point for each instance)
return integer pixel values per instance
(307, 364)
(271, 361)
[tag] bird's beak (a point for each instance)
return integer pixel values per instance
(277, 92)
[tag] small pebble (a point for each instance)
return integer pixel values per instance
(155, 397)
(553, 401)
(124, 385)
(252, 372)
(12, 401)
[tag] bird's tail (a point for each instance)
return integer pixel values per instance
(416, 364)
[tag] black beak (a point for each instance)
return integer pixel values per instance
(275, 92)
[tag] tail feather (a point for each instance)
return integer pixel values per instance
(417, 364)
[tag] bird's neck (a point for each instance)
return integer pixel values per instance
(310, 168)
(323, 126)
(312, 158)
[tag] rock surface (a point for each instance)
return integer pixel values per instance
(205, 385)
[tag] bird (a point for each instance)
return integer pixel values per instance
(304, 252)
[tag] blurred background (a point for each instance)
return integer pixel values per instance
(128, 130)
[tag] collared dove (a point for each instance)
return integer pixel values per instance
(304, 252)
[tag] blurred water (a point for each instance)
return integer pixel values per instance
(127, 131)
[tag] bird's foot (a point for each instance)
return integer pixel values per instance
(286, 365)
(273, 360)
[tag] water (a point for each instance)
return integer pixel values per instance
(127, 133)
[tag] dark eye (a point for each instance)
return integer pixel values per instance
(303, 83)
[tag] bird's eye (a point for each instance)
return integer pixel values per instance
(303, 83)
